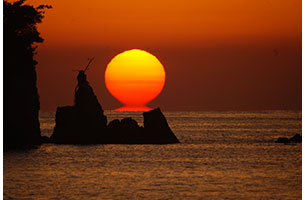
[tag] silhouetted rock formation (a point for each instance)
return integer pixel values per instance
(82, 123)
(156, 128)
(85, 123)
(126, 131)
(297, 138)
(21, 102)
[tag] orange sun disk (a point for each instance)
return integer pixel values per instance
(134, 77)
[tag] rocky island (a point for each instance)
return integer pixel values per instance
(297, 138)
(85, 123)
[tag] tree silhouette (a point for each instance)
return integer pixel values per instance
(21, 101)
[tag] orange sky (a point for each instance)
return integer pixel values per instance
(218, 54)
(161, 23)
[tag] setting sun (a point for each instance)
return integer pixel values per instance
(87, 113)
(134, 77)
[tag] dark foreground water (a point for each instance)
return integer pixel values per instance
(222, 155)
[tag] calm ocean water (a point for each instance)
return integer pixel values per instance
(222, 155)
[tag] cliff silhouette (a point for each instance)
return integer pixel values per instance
(21, 101)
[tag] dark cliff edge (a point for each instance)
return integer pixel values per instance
(21, 128)
(85, 123)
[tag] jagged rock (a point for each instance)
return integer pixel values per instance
(114, 124)
(156, 128)
(126, 131)
(83, 123)
(65, 129)
(297, 138)
(129, 124)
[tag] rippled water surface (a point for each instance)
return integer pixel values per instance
(222, 155)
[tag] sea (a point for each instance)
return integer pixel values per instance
(222, 155)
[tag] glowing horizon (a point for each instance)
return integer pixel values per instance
(219, 55)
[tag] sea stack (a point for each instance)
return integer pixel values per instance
(156, 128)
(83, 123)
